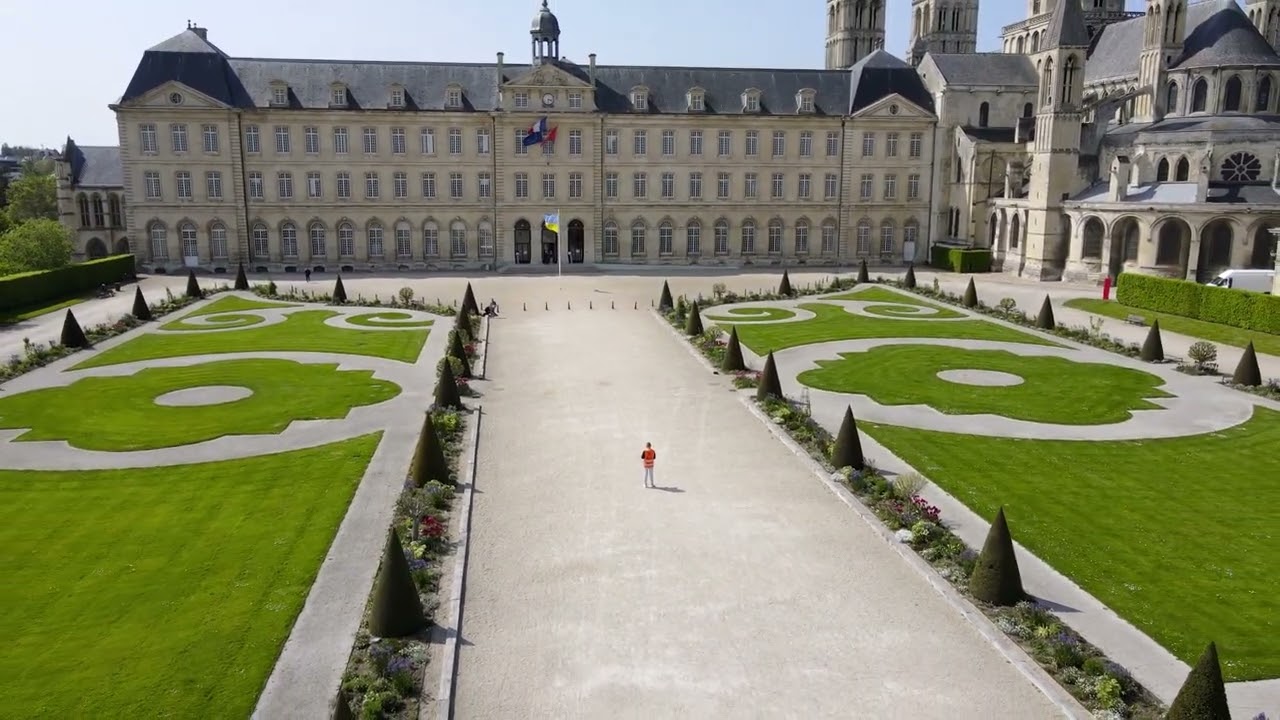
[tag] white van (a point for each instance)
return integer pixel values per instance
(1256, 280)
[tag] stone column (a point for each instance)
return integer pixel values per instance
(1193, 258)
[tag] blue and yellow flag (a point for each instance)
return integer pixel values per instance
(552, 222)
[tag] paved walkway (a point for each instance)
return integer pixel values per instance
(739, 588)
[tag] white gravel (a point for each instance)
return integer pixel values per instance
(204, 395)
(985, 378)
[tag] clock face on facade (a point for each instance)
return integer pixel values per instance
(175, 98)
(548, 100)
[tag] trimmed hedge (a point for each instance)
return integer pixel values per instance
(1225, 306)
(29, 289)
(961, 260)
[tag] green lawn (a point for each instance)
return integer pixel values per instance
(17, 315)
(126, 417)
(1178, 536)
(1054, 389)
(235, 303)
(163, 592)
(302, 331)
(392, 318)
(1213, 332)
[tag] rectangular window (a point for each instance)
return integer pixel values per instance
(804, 188)
(256, 191)
(279, 95)
(806, 144)
(886, 239)
(639, 185)
(779, 143)
(428, 185)
(890, 187)
(453, 98)
(722, 186)
(178, 137)
(668, 143)
(458, 240)
(400, 185)
(398, 144)
(344, 185)
(724, 143)
(891, 144)
(916, 144)
(404, 241)
(147, 138)
(868, 144)
(695, 142)
(720, 233)
(521, 99)
(867, 186)
(548, 186)
(666, 244)
(484, 185)
(183, 185)
(611, 142)
(775, 238)
(370, 140)
(611, 185)
(830, 186)
(455, 185)
(430, 240)
(427, 141)
(284, 185)
(862, 242)
(693, 239)
(397, 98)
(213, 185)
(833, 144)
(455, 141)
(829, 239)
(575, 142)
(209, 133)
(338, 97)
(668, 185)
(311, 140)
(913, 186)
(282, 139)
(372, 188)
(575, 100)
(252, 139)
(314, 187)
(548, 148)
(750, 186)
(802, 239)
(609, 244)
(752, 144)
(484, 144)
(151, 183)
(341, 141)
(521, 148)
(777, 188)
(522, 185)
(640, 142)
(575, 185)
(695, 186)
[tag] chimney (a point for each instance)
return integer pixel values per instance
(591, 69)
(202, 32)
(500, 69)
(1117, 190)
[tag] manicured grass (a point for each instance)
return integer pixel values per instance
(126, 417)
(388, 319)
(751, 314)
(896, 304)
(1178, 536)
(1054, 389)
(13, 317)
(303, 331)
(164, 592)
(833, 322)
(235, 303)
(1213, 332)
(215, 322)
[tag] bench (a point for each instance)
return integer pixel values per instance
(1135, 320)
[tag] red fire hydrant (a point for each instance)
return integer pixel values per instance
(1106, 288)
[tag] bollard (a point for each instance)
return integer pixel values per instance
(546, 305)
(590, 306)
(568, 305)
(611, 307)
(524, 306)
(636, 306)
(455, 302)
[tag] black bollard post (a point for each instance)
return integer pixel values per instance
(568, 305)
(611, 306)
(636, 306)
(524, 306)
(546, 305)
(455, 302)
(590, 306)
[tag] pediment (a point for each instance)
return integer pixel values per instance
(546, 76)
(160, 96)
(884, 108)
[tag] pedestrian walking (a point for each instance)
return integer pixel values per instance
(648, 456)
(307, 273)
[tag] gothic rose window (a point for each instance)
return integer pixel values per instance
(1241, 167)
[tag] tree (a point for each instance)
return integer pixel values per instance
(665, 302)
(995, 577)
(396, 609)
(33, 196)
(1152, 347)
(847, 450)
(469, 301)
(693, 326)
(784, 287)
(970, 299)
(733, 361)
(457, 350)
(72, 334)
(1203, 696)
(770, 385)
(1247, 371)
(428, 458)
(909, 282)
(863, 276)
(141, 310)
(242, 280)
(193, 286)
(35, 245)
(447, 389)
(1044, 320)
(339, 292)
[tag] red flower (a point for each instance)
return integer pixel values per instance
(432, 527)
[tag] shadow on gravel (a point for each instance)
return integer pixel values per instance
(667, 489)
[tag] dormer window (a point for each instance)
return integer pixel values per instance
(397, 97)
(697, 100)
(338, 96)
(639, 99)
(453, 97)
(279, 94)
(751, 100)
(804, 101)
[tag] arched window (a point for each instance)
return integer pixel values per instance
(888, 235)
(637, 237)
(82, 201)
(748, 234)
(346, 240)
(1162, 170)
(190, 241)
(1019, 46)
(666, 238)
(693, 238)
(430, 239)
(1199, 95)
(113, 209)
(863, 237)
(404, 240)
(1262, 103)
(829, 237)
(99, 212)
(1171, 98)
(1027, 110)
(1231, 96)
(1035, 42)
(484, 239)
(1046, 83)
(159, 241)
(289, 240)
(218, 240)
(319, 241)
(775, 237)
(720, 231)
(984, 114)
(373, 241)
(802, 237)
(458, 239)
(610, 244)
(261, 241)
(1069, 69)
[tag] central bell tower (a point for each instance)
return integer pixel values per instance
(855, 29)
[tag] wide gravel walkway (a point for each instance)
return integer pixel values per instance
(740, 588)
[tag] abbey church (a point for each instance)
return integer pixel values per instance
(1096, 141)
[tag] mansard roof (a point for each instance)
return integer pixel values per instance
(879, 75)
(93, 166)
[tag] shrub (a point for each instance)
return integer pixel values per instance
(1247, 371)
(693, 326)
(429, 464)
(961, 260)
(1202, 353)
(1044, 320)
(664, 301)
(770, 385)
(72, 334)
(863, 276)
(406, 295)
(847, 449)
(396, 609)
(907, 486)
(784, 287)
(970, 299)
(1152, 347)
(30, 289)
(141, 310)
(909, 282)
(1227, 306)
(193, 287)
(242, 280)
(469, 301)
(995, 578)
(1203, 695)
(447, 389)
(733, 361)
(339, 292)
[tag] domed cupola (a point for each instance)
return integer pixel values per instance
(545, 32)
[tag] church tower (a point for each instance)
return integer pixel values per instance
(855, 28)
(943, 26)
(1163, 30)
(1265, 15)
(1055, 160)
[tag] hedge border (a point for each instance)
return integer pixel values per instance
(1225, 306)
(29, 289)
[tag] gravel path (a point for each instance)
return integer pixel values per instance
(740, 588)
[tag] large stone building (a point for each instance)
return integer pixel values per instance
(1099, 140)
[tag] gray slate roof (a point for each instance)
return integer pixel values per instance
(246, 82)
(1004, 69)
(1066, 27)
(94, 166)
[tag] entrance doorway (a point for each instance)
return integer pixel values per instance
(576, 242)
(550, 246)
(523, 242)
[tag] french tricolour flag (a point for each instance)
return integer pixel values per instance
(540, 133)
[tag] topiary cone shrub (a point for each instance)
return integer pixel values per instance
(770, 385)
(456, 350)
(428, 457)
(909, 282)
(693, 325)
(396, 609)
(141, 310)
(242, 280)
(469, 301)
(447, 389)
(733, 361)
(847, 450)
(995, 577)
(341, 708)
(665, 302)
(462, 322)
(863, 275)
(1203, 696)
(970, 299)
(784, 287)
(1044, 320)
(1152, 347)
(193, 287)
(72, 334)
(339, 292)
(1247, 371)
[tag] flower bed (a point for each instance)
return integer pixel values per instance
(404, 299)
(384, 675)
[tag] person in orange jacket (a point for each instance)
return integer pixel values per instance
(647, 456)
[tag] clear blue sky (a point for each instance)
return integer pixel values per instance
(64, 62)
